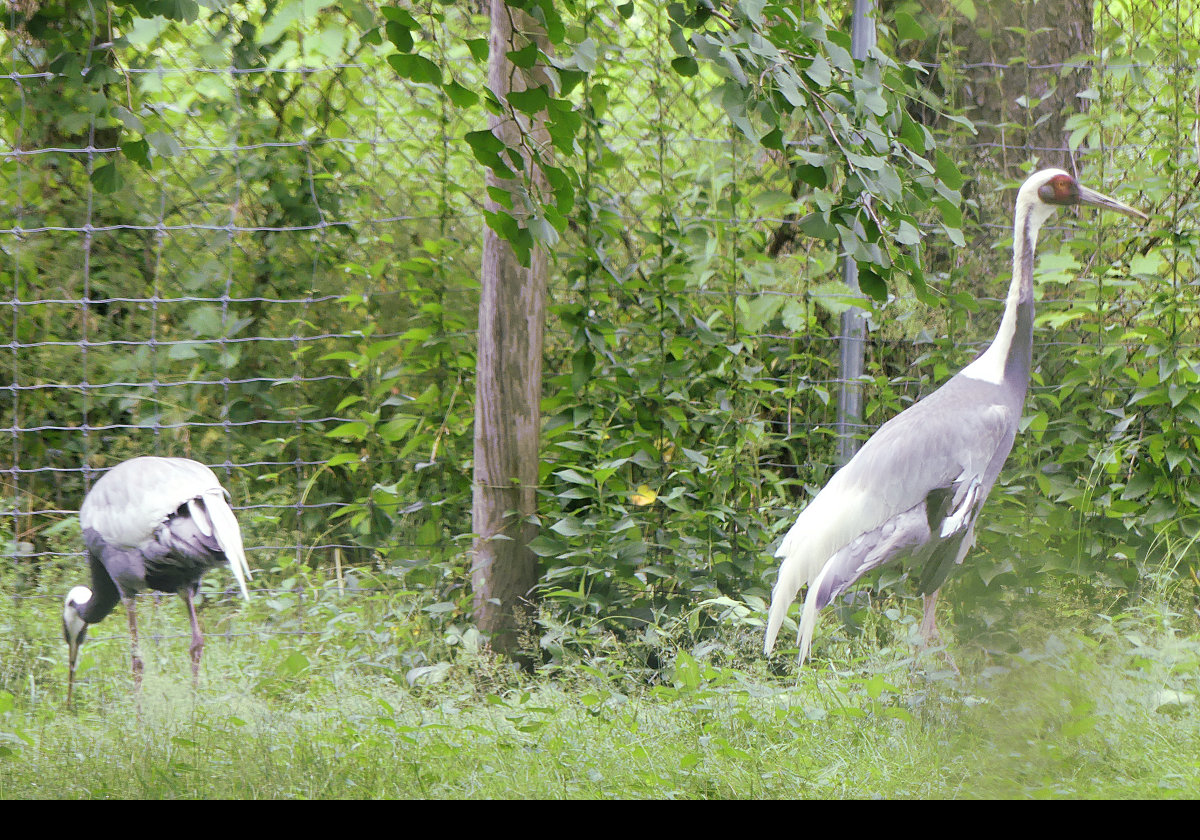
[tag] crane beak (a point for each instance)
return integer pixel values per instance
(74, 642)
(72, 655)
(1096, 199)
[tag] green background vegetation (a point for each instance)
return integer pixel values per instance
(249, 234)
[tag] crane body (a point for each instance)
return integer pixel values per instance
(151, 523)
(914, 490)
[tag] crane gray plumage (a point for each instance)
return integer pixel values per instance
(152, 523)
(915, 488)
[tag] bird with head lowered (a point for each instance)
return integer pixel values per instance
(913, 491)
(151, 523)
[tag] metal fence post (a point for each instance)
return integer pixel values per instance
(851, 340)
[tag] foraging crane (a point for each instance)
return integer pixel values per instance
(151, 523)
(915, 488)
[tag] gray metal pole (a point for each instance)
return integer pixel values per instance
(854, 329)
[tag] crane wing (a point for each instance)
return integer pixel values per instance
(916, 482)
(131, 503)
(215, 518)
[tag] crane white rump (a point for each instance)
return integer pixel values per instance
(151, 523)
(915, 488)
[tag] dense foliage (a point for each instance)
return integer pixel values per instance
(248, 233)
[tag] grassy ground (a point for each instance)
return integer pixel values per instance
(356, 707)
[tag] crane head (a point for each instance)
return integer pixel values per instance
(1057, 188)
(74, 630)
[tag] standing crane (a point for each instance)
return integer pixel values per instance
(914, 489)
(151, 523)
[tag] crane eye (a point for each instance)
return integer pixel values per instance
(1061, 189)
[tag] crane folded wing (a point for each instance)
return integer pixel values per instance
(215, 518)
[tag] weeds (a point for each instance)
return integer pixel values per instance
(328, 690)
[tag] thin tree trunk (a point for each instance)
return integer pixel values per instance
(508, 388)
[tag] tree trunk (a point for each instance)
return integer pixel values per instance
(508, 387)
(1016, 81)
(1036, 40)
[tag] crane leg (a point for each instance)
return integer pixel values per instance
(135, 658)
(197, 647)
(929, 631)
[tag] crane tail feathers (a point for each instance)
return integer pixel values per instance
(808, 623)
(792, 576)
(229, 537)
(781, 598)
(798, 568)
(819, 531)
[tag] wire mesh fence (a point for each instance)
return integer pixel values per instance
(281, 280)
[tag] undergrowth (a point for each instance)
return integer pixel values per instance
(373, 694)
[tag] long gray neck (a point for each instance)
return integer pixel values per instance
(105, 595)
(1008, 359)
(1020, 353)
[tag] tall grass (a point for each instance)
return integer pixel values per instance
(373, 700)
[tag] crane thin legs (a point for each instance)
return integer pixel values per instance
(929, 631)
(197, 648)
(135, 658)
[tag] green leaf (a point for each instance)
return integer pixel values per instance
(685, 66)
(285, 15)
(678, 41)
(908, 233)
(582, 365)
(354, 430)
(542, 231)
(461, 96)
(948, 172)
(137, 151)
(751, 10)
(544, 545)
(757, 311)
(184, 10)
(107, 178)
(342, 458)
(819, 71)
(907, 28)
(487, 148)
(872, 284)
(573, 476)
(773, 139)
(400, 16)
(585, 55)
(912, 135)
(164, 144)
(479, 48)
(791, 88)
(418, 68)
(526, 57)
(400, 36)
(570, 527)
(293, 664)
(397, 428)
(966, 8)
(129, 119)
(530, 101)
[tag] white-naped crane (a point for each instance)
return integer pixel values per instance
(151, 523)
(913, 491)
